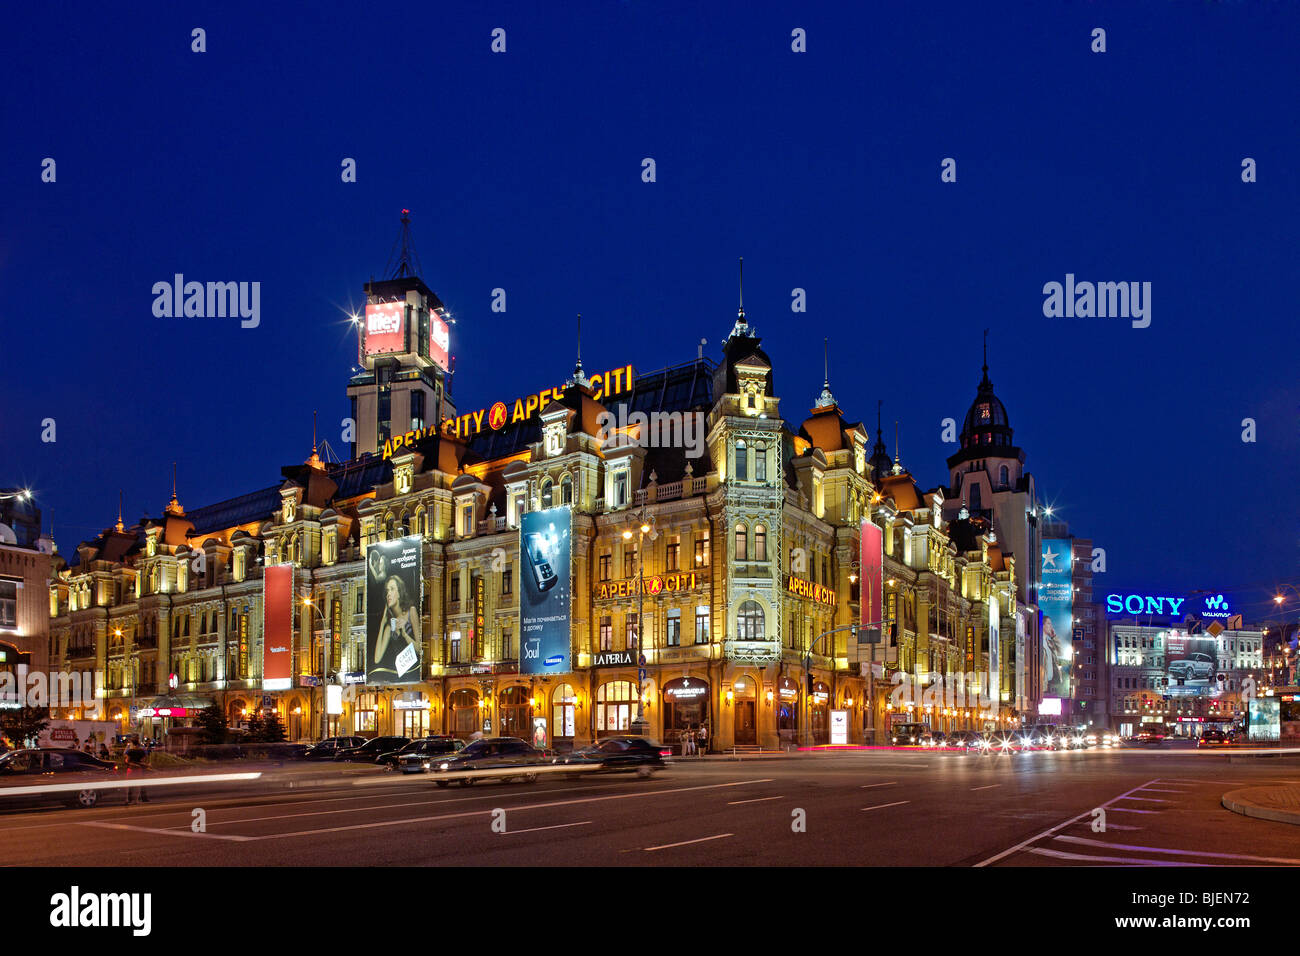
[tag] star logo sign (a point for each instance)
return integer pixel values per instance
(1049, 561)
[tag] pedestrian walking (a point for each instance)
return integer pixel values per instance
(688, 741)
(704, 740)
(136, 763)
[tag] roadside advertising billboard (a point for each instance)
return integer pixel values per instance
(1056, 602)
(871, 590)
(995, 641)
(545, 546)
(1191, 665)
(1264, 719)
(385, 327)
(394, 597)
(277, 627)
(439, 341)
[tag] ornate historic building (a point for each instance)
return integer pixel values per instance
(734, 560)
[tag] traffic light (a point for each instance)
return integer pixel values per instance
(808, 678)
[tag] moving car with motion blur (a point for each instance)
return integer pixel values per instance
(619, 754)
(1214, 738)
(934, 740)
(492, 753)
(23, 769)
(327, 748)
(418, 755)
(368, 751)
(1146, 738)
(907, 735)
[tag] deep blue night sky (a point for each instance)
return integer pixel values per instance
(522, 171)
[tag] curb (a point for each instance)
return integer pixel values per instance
(1246, 808)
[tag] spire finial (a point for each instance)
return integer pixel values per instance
(741, 313)
(898, 465)
(313, 431)
(174, 506)
(119, 524)
(826, 399)
(984, 382)
(173, 481)
(879, 404)
(578, 377)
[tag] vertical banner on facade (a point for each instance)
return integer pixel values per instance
(1056, 601)
(394, 597)
(995, 647)
(545, 546)
(277, 627)
(1020, 659)
(872, 589)
(478, 640)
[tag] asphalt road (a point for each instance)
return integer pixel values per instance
(883, 808)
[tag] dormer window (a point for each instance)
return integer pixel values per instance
(620, 488)
(554, 439)
(467, 519)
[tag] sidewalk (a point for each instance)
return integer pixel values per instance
(1278, 802)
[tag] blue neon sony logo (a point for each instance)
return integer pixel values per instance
(1143, 604)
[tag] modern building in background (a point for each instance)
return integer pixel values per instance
(25, 574)
(1180, 662)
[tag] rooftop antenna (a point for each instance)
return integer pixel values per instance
(402, 261)
(985, 380)
(699, 349)
(740, 314)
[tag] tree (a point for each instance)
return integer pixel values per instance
(211, 721)
(23, 723)
(272, 729)
(256, 726)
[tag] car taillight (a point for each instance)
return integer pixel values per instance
(665, 753)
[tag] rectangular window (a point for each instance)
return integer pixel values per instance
(454, 648)
(508, 581)
(629, 562)
(605, 560)
(8, 603)
(519, 507)
(507, 646)
(606, 633)
(620, 489)
(674, 627)
(674, 547)
(742, 462)
(702, 624)
(629, 634)
(760, 463)
(467, 519)
(417, 409)
(702, 551)
(455, 588)
(742, 550)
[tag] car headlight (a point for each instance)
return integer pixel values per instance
(445, 766)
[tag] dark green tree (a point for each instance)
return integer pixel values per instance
(256, 726)
(211, 721)
(272, 729)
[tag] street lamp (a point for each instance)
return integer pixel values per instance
(24, 494)
(639, 724)
(324, 666)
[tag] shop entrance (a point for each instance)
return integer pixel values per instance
(745, 731)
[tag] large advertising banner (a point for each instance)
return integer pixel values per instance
(1056, 602)
(385, 327)
(394, 597)
(871, 591)
(1264, 719)
(277, 627)
(545, 546)
(995, 646)
(1191, 666)
(439, 342)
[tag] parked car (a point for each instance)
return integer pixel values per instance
(1214, 738)
(491, 753)
(368, 751)
(907, 735)
(415, 756)
(619, 754)
(327, 748)
(23, 768)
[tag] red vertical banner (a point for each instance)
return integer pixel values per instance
(871, 590)
(277, 627)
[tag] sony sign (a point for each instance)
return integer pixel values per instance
(1144, 604)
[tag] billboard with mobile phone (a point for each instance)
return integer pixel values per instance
(545, 552)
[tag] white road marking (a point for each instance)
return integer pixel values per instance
(1131, 861)
(736, 803)
(868, 786)
(1158, 790)
(558, 826)
(883, 805)
(475, 813)
(669, 846)
(1061, 826)
(1148, 799)
(1129, 809)
(1119, 826)
(1155, 849)
(166, 832)
(126, 781)
(989, 787)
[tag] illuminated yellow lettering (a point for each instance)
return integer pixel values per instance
(542, 397)
(628, 379)
(595, 384)
(519, 411)
(388, 449)
(478, 421)
(530, 406)
(617, 376)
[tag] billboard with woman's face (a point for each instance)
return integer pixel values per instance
(394, 596)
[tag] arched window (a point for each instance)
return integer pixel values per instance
(615, 707)
(566, 490)
(742, 551)
(749, 621)
(742, 461)
(760, 543)
(547, 493)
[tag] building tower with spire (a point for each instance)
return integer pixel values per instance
(403, 352)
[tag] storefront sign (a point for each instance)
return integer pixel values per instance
(410, 703)
(355, 677)
(333, 699)
(163, 712)
(613, 659)
(812, 591)
(839, 727)
(788, 690)
(684, 690)
(654, 584)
